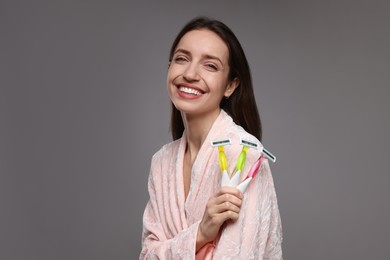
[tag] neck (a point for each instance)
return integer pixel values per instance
(197, 128)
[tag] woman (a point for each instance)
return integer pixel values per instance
(189, 215)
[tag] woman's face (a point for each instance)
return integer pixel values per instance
(198, 73)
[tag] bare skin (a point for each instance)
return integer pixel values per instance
(187, 168)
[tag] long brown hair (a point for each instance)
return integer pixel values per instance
(241, 105)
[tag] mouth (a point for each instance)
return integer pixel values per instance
(190, 90)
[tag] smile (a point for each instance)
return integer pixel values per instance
(190, 91)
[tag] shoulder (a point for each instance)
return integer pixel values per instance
(237, 135)
(165, 151)
(236, 132)
(161, 161)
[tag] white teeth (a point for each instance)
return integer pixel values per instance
(190, 91)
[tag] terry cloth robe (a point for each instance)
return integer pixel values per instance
(170, 222)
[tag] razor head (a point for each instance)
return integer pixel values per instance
(221, 142)
(269, 155)
(249, 144)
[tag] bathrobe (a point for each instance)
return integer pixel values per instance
(170, 221)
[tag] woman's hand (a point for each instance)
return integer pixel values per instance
(225, 205)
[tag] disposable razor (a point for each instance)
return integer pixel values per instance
(220, 143)
(255, 168)
(251, 174)
(235, 178)
(269, 155)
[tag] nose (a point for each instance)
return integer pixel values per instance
(191, 73)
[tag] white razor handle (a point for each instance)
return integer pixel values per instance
(235, 179)
(243, 185)
(225, 178)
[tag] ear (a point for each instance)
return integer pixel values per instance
(231, 87)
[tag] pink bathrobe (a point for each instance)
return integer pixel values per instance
(170, 222)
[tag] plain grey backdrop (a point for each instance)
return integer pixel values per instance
(83, 107)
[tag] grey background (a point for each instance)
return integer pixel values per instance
(83, 107)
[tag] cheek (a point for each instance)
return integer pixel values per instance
(219, 84)
(170, 80)
(169, 77)
(172, 74)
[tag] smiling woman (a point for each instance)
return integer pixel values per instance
(198, 75)
(189, 215)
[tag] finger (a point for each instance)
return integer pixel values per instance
(228, 198)
(227, 206)
(230, 190)
(213, 209)
(227, 215)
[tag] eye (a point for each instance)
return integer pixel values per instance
(180, 59)
(211, 67)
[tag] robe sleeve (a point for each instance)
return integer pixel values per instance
(158, 242)
(273, 248)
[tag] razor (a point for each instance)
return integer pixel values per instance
(220, 143)
(246, 144)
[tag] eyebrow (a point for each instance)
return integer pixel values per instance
(205, 56)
